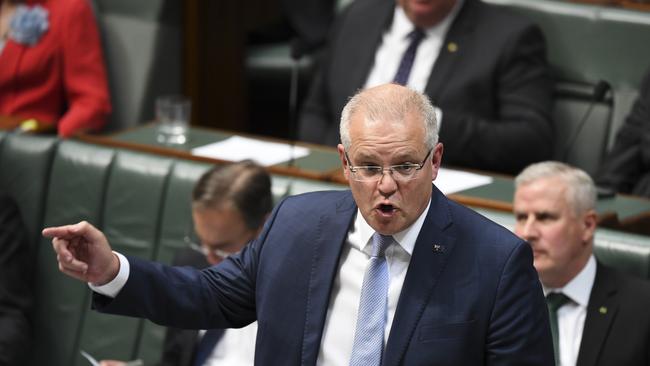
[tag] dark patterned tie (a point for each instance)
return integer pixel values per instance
(554, 301)
(405, 66)
(206, 345)
(373, 305)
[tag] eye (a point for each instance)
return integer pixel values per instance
(521, 217)
(372, 169)
(404, 168)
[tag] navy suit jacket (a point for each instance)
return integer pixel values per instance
(493, 86)
(475, 300)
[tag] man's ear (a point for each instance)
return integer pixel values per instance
(344, 161)
(589, 224)
(436, 160)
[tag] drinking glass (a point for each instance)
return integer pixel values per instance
(173, 116)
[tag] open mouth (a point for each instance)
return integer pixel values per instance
(386, 208)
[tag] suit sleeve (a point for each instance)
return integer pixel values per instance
(221, 296)
(520, 125)
(84, 72)
(519, 332)
(629, 159)
(16, 296)
(179, 344)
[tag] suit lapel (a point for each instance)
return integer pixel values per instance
(432, 249)
(601, 310)
(452, 49)
(332, 233)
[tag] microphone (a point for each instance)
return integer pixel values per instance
(597, 96)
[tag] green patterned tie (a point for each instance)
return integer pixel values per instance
(554, 301)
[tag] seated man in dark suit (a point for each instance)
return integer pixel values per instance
(626, 168)
(16, 296)
(229, 206)
(599, 316)
(389, 272)
(484, 69)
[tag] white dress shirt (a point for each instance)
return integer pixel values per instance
(396, 40)
(341, 320)
(235, 348)
(571, 317)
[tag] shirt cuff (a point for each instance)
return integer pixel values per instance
(112, 288)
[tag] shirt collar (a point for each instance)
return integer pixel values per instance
(579, 288)
(405, 238)
(402, 25)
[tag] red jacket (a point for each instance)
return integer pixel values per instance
(62, 78)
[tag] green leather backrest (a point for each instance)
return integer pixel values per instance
(76, 192)
(143, 47)
(25, 163)
(581, 127)
(175, 223)
(132, 210)
(626, 252)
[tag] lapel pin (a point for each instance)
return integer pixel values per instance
(437, 248)
(602, 310)
(452, 47)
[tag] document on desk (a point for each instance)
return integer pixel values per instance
(451, 181)
(237, 148)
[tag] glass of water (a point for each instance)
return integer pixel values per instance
(173, 116)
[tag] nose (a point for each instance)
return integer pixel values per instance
(528, 229)
(387, 184)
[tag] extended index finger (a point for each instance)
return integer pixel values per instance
(80, 229)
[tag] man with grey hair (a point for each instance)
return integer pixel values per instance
(598, 315)
(388, 273)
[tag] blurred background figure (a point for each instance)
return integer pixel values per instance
(229, 206)
(484, 68)
(16, 296)
(626, 168)
(51, 66)
(598, 315)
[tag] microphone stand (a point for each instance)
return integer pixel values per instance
(598, 95)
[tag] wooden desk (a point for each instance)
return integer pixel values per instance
(622, 212)
(10, 123)
(321, 164)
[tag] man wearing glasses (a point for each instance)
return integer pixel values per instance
(389, 273)
(229, 206)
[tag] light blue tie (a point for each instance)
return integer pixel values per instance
(369, 336)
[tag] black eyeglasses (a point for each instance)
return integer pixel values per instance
(373, 173)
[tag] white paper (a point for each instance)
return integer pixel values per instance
(237, 148)
(452, 181)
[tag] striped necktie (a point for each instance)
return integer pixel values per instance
(368, 345)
